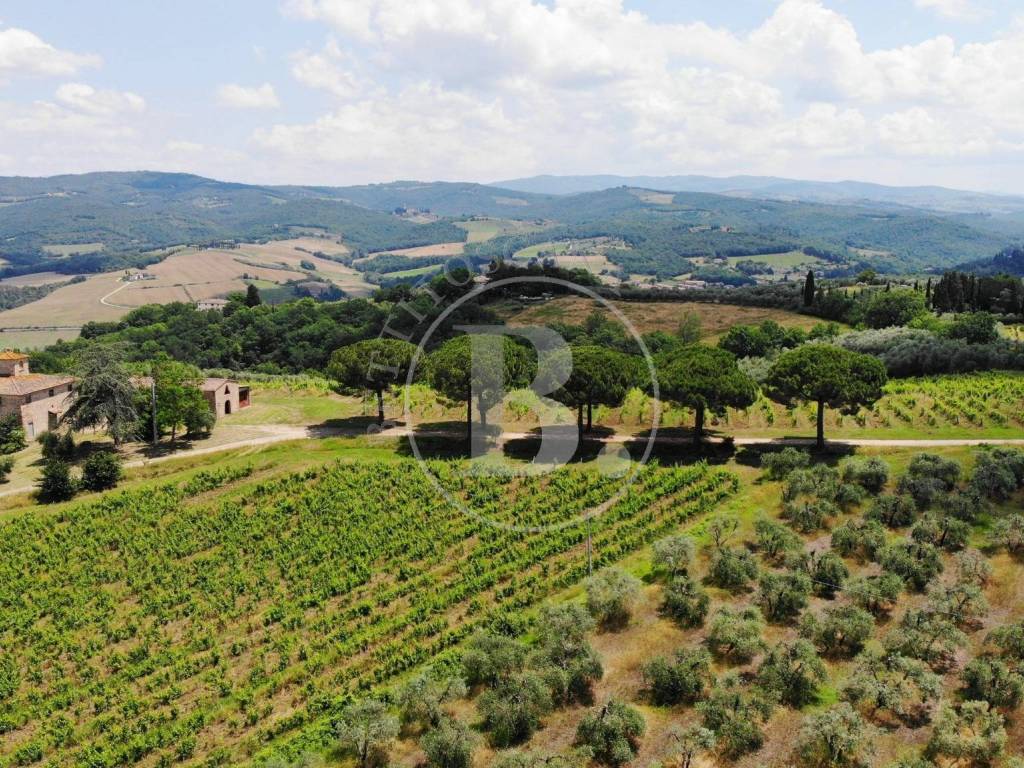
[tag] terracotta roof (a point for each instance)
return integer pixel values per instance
(207, 385)
(10, 354)
(30, 383)
(212, 385)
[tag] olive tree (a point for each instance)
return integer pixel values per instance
(421, 700)
(450, 745)
(674, 554)
(841, 630)
(736, 716)
(366, 727)
(512, 711)
(612, 732)
(971, 735)
(827, 376)
(904, 687)
(736, 634)
(835, 738)
(684, 601)
(680, 680)
(611, 594)
(687, 743)
(792, 672)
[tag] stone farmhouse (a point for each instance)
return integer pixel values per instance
(39, 399)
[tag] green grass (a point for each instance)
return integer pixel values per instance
(533, 251)
(417, 272)
(480, 230)
(789, 260)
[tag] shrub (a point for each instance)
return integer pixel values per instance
(102, 470)
(862, 539)
(490, 658)
(870, 474)
(450, 745)
(6, 466)
(684, 601)
(610, 596)
(779, 465)
(835, 738)
(679, 681)
(841, 630)
(57, 445)
(736, 635)
(12, 434)
(613, 733)
(56, 483)
(732, 569)
(893, 511)
(513, 710)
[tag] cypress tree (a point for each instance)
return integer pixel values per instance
(809, 288)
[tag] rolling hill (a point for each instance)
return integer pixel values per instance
(933, 198)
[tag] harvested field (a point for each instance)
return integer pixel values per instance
(659, 315)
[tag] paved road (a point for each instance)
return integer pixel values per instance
(277, 433)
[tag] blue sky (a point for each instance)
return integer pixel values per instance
(349, 91)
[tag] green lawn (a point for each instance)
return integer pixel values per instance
(790, 260)
(533, 251)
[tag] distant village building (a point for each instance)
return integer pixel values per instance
(134, 277)
(38, 399)
(205, 304)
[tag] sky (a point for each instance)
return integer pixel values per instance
(339, 92)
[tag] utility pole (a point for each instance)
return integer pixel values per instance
(590, 549)
(152, 401)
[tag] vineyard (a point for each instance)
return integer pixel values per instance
(199, 622)
(959, 405)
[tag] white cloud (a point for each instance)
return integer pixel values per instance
(22, 52)
(87, 99)
(585, 85)
(241, 97)
(964, 10)
(330, 70)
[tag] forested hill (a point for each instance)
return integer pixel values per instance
(775, 188)
(115, 218)
(103, 221)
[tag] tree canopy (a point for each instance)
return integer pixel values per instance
(450, 371)
(826, 375)
(374, 364)
(705, 378)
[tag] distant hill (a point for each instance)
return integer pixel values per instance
(439, 197)
(104, 221)
(118, 217)
(1007, 262)
(769, 187)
